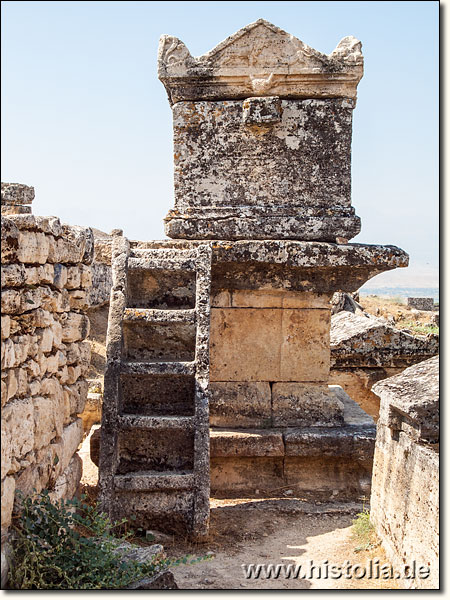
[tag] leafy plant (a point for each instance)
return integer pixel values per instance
(364, 531)
(69, 545)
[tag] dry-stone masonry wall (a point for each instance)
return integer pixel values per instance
(405, 483)
(46, 277)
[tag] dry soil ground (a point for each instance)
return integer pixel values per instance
(278, 531)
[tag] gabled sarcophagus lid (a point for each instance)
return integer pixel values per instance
(259, 60)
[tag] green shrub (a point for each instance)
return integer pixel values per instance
(69, 545)
(363, 531)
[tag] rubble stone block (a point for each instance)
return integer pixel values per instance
(33, 247)
(18, 427)
(10, 241)
(59, 275)
(5, 326)
(73, 278)
(11, 301)
(71, 438)
(75, 327)
(8, 489)
(13, 275)
(48, 420)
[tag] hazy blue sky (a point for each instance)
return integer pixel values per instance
(86, 121)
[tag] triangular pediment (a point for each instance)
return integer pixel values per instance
(260, 59)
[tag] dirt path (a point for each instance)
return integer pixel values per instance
(277, 531)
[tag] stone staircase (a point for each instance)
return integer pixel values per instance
(154, 450)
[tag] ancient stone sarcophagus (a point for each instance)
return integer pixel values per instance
(262, 137)
(262, 156)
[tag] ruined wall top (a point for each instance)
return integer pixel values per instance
(16, 199)
(259, 60)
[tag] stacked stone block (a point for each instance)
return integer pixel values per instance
(45, 357)
(16, 199)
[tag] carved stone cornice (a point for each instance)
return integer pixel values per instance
(259, 60)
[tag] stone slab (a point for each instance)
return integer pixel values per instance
(306, 405)
(254, 442)
(269, 344)
(240, 404)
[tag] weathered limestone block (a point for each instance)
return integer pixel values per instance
(75, 327)
(269, 344)
(240, 404)
(66, 484)
(246, 443)
(269, 298)
(11, 384)
(48, 420)
(8, 488)
(11, 301)
(78, 300)
(60, 275)
(16, 198)
(82, 239)
(33, 247)
(73, 278)
(17, 431)
(4, 389)
(13, 275)
(9, 241)
(71, 438)
(76, 395)
(8, 354)
(5, 326)
(306, 405)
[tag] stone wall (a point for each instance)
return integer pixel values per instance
(101, 270)
(405, 482)
(421, 303)
(46, 277)
(16, 199)
(366, 349)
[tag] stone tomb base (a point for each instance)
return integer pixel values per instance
(314, 462)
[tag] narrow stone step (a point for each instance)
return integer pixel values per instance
(153, 481)
(154, 315)
(153, 422)
(158, 368)
(171, 263)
